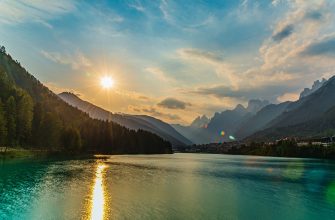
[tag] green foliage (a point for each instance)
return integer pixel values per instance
(11, 121)
(24, 117)
(50, 131)
(71, 139)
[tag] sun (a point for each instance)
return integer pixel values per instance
(107, 82)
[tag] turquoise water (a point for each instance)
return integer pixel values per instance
(179, 186)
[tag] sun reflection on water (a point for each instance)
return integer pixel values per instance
(98, 195)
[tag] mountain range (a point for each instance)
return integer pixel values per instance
(260, 120)
(134, 122)
(311, 115)
(221, 125)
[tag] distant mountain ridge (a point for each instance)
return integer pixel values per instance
(227, 121)
(260, 119)
(130, 121)
(311, 115)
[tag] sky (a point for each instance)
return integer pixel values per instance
(173, 59)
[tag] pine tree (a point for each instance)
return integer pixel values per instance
(24, 118)
(50, 131)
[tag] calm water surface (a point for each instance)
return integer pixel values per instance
(179, 186)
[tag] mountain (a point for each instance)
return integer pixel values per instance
(309, 107)
(311, 115)
(34, 117)
(195, 134)
(263, 119)
(196, 131)
(200, 122)
(227, 121)
(230, 120)
(260, 119)
(316, 85)
(135, 122)
(254, 105)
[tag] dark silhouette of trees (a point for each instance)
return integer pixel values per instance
(286, 148)
(71, 139)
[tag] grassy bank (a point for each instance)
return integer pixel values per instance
(21, 153)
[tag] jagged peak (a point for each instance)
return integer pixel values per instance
(316, 85)
(254, 105)
(200, 121)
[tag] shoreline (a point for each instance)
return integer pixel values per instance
(21, 153)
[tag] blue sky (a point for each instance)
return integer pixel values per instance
(173, 59)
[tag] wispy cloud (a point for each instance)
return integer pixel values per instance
(76, 61)
(193, 53)
(222, 69)
(137, 5)
(173, 12)
(38, 11)
(159, 74)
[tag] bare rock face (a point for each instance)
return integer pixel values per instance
(200, 122)
(316, 85)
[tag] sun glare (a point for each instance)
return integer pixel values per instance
(107, 82)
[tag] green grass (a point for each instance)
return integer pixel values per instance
(20, 153)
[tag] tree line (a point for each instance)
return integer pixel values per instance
(285, 148)
(34, 117)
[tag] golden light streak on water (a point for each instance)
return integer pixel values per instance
(98, 195)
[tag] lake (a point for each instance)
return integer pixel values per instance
(178, 186)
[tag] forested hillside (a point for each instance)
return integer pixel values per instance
(32, 116)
